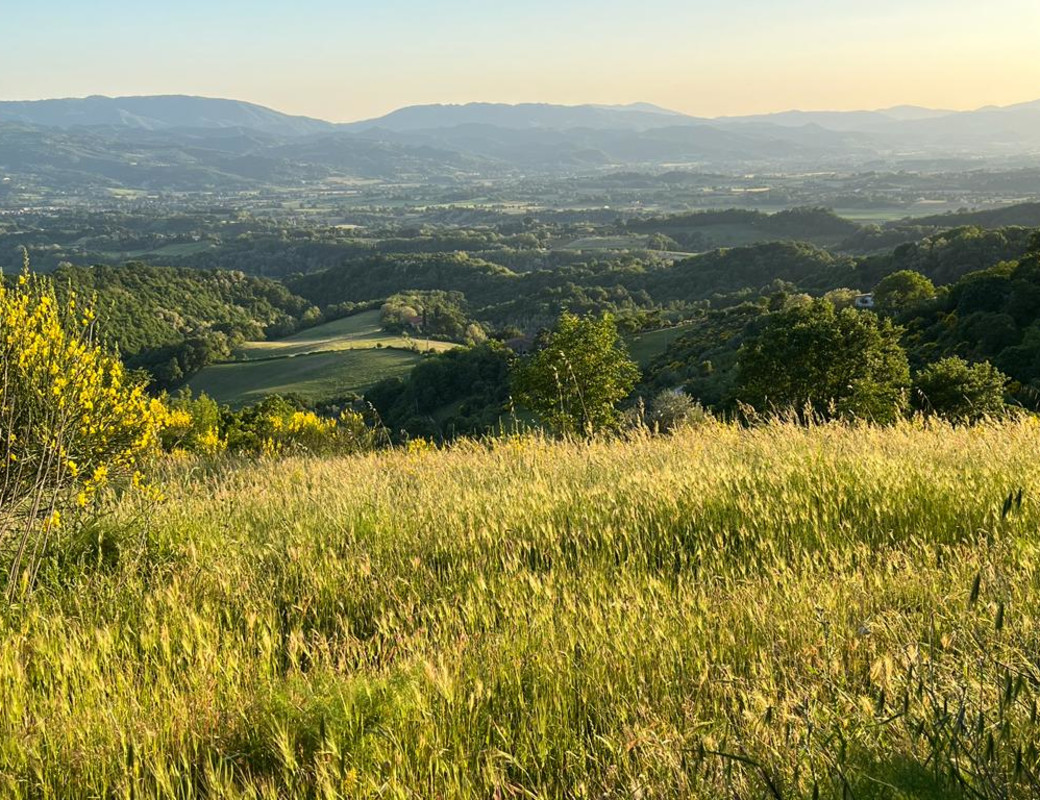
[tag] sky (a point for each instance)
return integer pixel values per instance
(355, 59)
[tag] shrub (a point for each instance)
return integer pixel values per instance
(71, 421)
(274, 426)
(958, 391)
(673, 409)
(194, 425)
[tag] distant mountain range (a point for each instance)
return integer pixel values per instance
(155, 113)
(183, 142)
(526, 116)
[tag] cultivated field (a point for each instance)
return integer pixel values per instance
(318, 376)
(775, 612)
(356, 332)
(330, 360)
(643, 347)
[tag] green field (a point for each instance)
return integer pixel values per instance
(176, 249)
(358, 331)
(606, 243)
(644, 347)
(339, 357)
(318, 376)
(773, 612)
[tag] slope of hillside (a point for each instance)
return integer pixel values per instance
(639, 116)
(346, 356)
(729, 612)
(356, 332)
(315, 376)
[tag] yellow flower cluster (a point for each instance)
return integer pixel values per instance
(71, 419)
(420, 445)
(184, 433)
(305, 431)
(197, 425)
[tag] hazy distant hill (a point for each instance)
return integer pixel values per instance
(639, 116)
(186, 143)
(158, 113)
(1023, 214)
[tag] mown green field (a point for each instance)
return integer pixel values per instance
(176, 249)
(774, 612)
(356, 332)
(318, 376)
(645, 346)
(329, 360)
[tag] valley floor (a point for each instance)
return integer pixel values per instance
(726, 612)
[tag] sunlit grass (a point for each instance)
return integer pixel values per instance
(316, 376)
(356, 332)
(767, 612)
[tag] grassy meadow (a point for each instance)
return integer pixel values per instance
(329, 360)
(356, 332)
(773, 612)
(318, 376)
(645, 346)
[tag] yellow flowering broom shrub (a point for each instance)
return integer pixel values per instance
(275, 426)
(193, 425)
(72, 422)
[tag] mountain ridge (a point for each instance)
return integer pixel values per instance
(186, 142)
(157, 112)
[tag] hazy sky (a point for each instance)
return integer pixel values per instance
(359, 58)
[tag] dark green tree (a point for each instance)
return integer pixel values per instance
(902, 291)
(959, 391)
(846, 364)
(575, 381)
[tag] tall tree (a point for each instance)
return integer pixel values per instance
(903, 290)
(846, 364)
(575, 381)
(959, 391)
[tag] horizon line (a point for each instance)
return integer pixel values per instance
(514, 104)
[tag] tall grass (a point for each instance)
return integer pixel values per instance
(771, 612)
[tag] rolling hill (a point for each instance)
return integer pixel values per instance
(159, 112)
(341, 357)
(357, 332)
(526, 116)
(316, 376)
(201, 144)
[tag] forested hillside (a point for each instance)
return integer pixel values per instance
(172, 321)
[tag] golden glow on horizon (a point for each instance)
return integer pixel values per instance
(752, 56)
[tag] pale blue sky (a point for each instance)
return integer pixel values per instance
(357, 58)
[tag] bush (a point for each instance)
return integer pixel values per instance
(960, 392)
(276, 425)
(71, 421)
(194, 425)
(673, 409)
